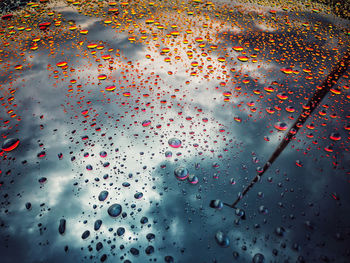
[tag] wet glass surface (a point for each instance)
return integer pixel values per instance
(126, 126)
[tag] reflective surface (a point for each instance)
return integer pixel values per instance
(121, 122)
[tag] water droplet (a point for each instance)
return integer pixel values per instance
(146, 123)
(10, 144)
(258, 258)
(103, 154)
(86, 234)
(222, 239)
(120, 231)
(115, 210)
(41, 154)
(281, 126)
(217, 204)
(193, 179)
(181, 173)
(42, 180)
(263, 210)
(138, 195)
(168, 154)
(103, 195)
(97, 224)
(175, 143)
(62, 226)
(280, 231)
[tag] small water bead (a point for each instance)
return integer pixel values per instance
(217, 204)
(120, 231)
(168, 154)
(146, 123)
(335, 136)
(174, 142)
(263, 210)
(240, 212)
(144, 220)
(103, 154)
(134, 251)
(280, 231)
(150, 237)
(102, 196)
(115, 210)
(193, 179)
(86, 234)
(181, 173)
(97, 224)
(62, 226)
(99, 246)
(222, 239)
(258, 258)
(149, 250)
(169, 259)
(42, 154)
(42, 180)
(138, 195)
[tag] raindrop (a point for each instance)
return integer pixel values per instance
(181, 173)
(120, 231)
(217, 204)
(62, 226)
(146, 123)
(97, 224)
(86, 234)
(138, 195)
(222, 239)
(115, 210)
(193, 179)
(42, 180)
(175, 143)
(169, 259)
(258, 258)
(168, 154)
(149, 250)
(281, 126)
(102, 196)
(150, 237)
(103, 154)
(10, 144)
(280, 231)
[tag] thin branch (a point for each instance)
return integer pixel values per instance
(319, 94)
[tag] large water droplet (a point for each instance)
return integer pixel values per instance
(10, 144)
(115, 210)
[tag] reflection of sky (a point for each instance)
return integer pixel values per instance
(178, 213)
